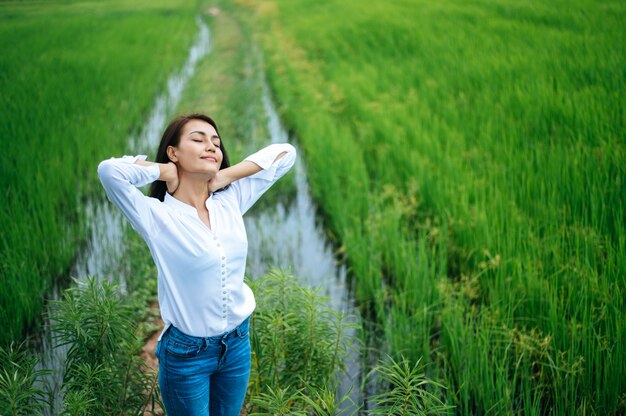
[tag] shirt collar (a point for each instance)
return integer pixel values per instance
(181, 206)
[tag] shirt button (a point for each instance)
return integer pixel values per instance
(223, 272)
(223, 265)
(223, 257)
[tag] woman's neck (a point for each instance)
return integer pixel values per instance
(193, 191)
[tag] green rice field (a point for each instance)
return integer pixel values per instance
(468, 158)
(77, 77)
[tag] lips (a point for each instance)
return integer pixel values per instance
(211, 158)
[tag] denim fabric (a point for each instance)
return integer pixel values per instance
(204, 376)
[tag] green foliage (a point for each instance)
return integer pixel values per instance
(104, 375)
(281, 401)
(320, 401)
(78, 403)
(323, 401)
(298, 343)
(19, 378)
(408, 391)
(103, 372)
(97, 325)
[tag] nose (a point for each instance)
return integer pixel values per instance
(210, 146)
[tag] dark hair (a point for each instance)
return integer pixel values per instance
(171, 137)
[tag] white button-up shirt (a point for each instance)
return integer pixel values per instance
(200, 270)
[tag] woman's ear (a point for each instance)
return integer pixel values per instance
(171, 154)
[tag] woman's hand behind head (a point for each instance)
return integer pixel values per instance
(219, 181)
(169, 174)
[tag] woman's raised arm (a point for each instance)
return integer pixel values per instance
(257, 173)
(168, 172)
(121, 177)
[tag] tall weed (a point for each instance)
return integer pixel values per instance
(103, 373)
(19, 378)
(298, 341)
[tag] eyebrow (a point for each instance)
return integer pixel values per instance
(215, 136)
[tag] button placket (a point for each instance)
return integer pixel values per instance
(223, 275)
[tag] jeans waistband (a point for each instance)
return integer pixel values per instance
(240, 330)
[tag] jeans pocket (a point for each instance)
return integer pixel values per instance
(181, 345)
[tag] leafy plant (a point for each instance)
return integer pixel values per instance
(408, 392)
(281, 401)
(103, 372)
(19, 378)
(324, 402)
(298, 342)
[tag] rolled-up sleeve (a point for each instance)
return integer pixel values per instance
(121, 177)
(249, 190)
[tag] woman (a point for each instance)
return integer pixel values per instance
(193, 225)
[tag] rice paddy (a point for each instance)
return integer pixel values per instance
(77, 78)
(468, 158)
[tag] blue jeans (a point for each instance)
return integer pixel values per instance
(204, 376)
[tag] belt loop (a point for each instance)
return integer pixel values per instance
(240, 327)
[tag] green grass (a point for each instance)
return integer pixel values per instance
(470, 159)
(77, 77)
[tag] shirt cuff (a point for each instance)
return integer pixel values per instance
(266, 156)
(265, 159)
(132, 159)
(153, 170)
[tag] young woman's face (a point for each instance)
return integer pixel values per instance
(198, 150)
